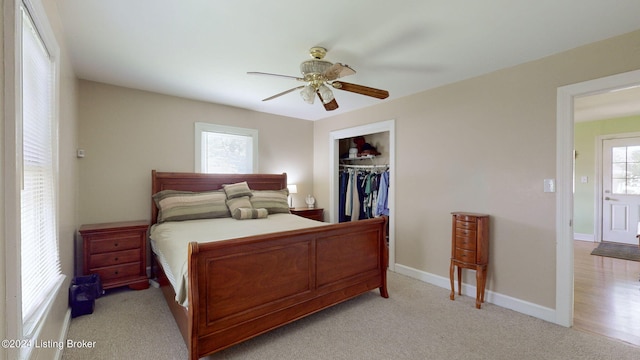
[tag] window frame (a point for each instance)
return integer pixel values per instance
(13, 165)
(626, 178)
(201, 127)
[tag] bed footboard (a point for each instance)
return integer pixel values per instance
(244, 287)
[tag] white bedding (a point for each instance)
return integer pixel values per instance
(170, 240)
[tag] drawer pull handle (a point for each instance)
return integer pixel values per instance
(115, 272)
(116, 259)
(116, 244)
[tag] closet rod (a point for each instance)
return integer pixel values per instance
(363, 166)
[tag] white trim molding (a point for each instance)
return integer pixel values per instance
(334, 137)
(564, 195)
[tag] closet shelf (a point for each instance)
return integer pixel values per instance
(359, 158)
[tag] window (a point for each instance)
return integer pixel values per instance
(625, 166)
(225, 149)
(32, 171)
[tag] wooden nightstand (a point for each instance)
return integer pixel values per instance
(309, 213)
(117, 252)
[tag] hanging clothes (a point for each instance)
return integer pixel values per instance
(342, 196)
(355, 199)
(349, 196)
(360, 192)
(382, 205)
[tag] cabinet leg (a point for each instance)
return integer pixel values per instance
(484, 283)
(459, 280)
(451, 270)
(479, 291)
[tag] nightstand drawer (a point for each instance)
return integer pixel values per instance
(114, 258)
(106, 243)
(118, 272)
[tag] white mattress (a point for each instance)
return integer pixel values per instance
(170, 240)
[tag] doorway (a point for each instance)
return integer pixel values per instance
(564, 173)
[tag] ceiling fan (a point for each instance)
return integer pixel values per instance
(319, 74)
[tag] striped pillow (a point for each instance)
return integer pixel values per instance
(275, 201)
(237, 190)
(239, 202)
(249, 213)
(176, 205)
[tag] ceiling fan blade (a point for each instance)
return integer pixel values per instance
(338, 70)
(278, 75)
(360, 89)
(283, 93)
(331, 105)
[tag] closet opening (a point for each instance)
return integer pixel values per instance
(363, 177)
(362, 160)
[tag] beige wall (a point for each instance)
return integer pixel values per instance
(482, 145)
(126, 133)
(54, 326)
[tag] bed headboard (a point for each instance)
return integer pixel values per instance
(206, 182)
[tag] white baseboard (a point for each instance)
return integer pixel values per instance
(502, 300)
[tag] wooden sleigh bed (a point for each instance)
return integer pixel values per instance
(243, 287)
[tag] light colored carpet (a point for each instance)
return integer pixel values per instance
(418, 321)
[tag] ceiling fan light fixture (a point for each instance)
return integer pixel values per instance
(308, 94)
(314, 66)
(320, 75)
(325, 93)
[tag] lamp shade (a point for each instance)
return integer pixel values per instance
(325, 93)
(308, 94)
(293, 189)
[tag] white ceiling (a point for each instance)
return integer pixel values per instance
(608, 105)
(202, 49)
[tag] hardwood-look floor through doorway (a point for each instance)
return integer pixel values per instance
(606, 294)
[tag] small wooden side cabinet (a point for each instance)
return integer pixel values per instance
(117, 252)
(470, 250)
(309, 213)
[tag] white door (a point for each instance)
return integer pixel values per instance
(621, 190)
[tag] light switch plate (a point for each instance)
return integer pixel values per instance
(549, 185)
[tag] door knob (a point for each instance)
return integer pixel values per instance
(608, 198)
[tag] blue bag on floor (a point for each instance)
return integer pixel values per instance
(83, 292)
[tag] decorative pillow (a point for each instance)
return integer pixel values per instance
(239, 202)
(176, 205)
(237, 190)
(249, 213)
(275, 201)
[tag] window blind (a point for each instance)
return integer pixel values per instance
(40, 265)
